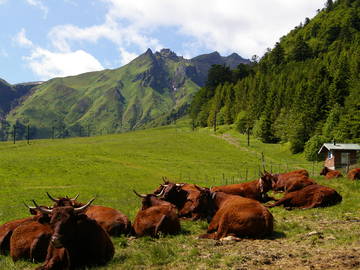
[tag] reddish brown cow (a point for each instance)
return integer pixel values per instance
(240, 217)
(30, 241)
(329, 174)
(280, 179)
(297, 182)
(111, 220)
(7, 229)
(354, 174)
(190, 200)
(84, 241)
(309, 197)
(256, 189)
(156, 216)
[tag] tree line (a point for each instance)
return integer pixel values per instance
(305, 90)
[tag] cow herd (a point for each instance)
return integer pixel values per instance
(69, 234)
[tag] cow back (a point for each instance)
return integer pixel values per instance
(354, 174)
(111, 220)
(150, 221)
(297, 182)
(282, 178)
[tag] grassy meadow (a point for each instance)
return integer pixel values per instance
(111, 166)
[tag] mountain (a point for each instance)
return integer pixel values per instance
(153, 89)
(10, 95)
(304, 91)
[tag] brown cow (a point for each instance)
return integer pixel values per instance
(7, 229)
(111, 220)
(280, 179)
(240, 217)
(84, 240)
(329, 174)
(309, 197)
(297, 182)
(191, 200)
(30, 241)
(156, 216)
(256, 189)
(354, 174)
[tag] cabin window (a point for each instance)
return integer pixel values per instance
(329, 155)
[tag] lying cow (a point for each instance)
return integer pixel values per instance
(309, 197)
(156, 216)
(297, 182)
(111, 220)
(329, 174)
(240, 217)
(280, 179)
(354, 174)
(7, 229)
(256, 189)
(191, 200)
(77, 241)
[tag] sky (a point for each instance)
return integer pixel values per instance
(43, 39)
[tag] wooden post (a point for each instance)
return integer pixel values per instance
(215, 122)
(263, 160)
(28, 134)
(248, 136)
(14, 134)
(53, 133)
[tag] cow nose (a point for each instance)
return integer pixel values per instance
(56, 242)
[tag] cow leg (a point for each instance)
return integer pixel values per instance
(39, 248)
(282, 201)
(56, 259)
(5, 243)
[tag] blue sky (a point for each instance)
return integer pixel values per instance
(42, 39)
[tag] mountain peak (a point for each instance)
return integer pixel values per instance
(167, 53)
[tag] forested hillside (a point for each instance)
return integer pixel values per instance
(305, 90)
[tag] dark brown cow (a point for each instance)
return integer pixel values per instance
(111, 220)
(84, 240)
(280, 179)
(156, 216)
(240, 217)
(329, 174)
(191, 200)
(7, 229)
(354, 174)
(309, 197)
(297, 182)
(256, 189)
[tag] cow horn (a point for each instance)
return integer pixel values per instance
(51, 198)
(41, 209)
(161, 193)
(139, 195)
(30, 207)
(74, 199)
(179, 185)
(84, 207)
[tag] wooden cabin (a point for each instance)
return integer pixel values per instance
(339, 155)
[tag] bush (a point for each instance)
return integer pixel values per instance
(312, 146)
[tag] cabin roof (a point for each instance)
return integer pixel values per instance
(339, 146)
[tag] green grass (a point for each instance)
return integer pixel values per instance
(111, 166)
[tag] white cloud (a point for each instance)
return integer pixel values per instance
(48, 64)
(39, 4)
(244, 26)
(22, 40)
(126, 57)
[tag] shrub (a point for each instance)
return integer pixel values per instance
(312, 146)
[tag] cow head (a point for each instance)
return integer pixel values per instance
(266, 182)
(64, 201)
(324, 171)
(63, 221)
(39, 216)
(149, 200)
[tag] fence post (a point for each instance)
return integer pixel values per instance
(28, 134)
(14, 133)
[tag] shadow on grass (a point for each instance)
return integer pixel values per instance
(276, 235)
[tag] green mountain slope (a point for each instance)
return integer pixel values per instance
(152, 89)
(306, 90)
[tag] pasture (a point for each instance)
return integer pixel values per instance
(111, 166)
